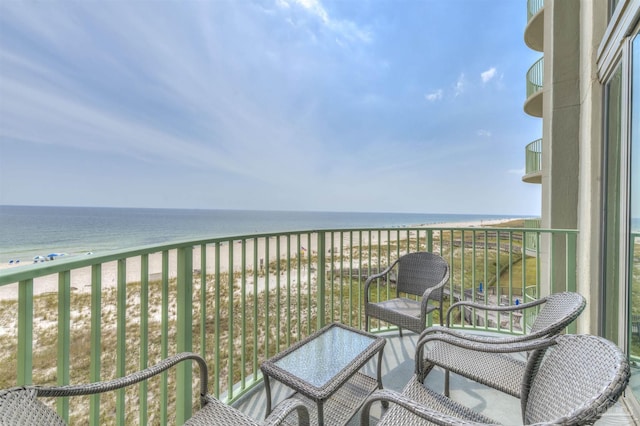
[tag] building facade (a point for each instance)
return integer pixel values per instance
(586, 90)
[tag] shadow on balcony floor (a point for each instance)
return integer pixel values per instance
(397, 369)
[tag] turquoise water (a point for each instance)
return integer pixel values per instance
(26, 232)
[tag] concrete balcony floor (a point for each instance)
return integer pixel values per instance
(397, 369)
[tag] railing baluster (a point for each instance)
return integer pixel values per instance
(184, 324)
(299, 285)
(278, 294)
(332, 278)
(96, 336)
(267, 283)
(121, 339)
(309, 253)
(203, 300)
(243, 308)
(64, 339)
(255, 309)
(144, 334)
(320, 299)
(216, 338)
(25, 332)
(164, 337)
(230, 343)
(288, 337)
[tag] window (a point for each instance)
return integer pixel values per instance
(612, 7)
(610, 290)
(634, 208)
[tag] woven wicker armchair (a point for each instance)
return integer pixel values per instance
(20, 406)
(421, 274)
(574, 383)
(491, 361)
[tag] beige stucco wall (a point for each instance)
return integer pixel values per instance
(593, 23)
(572, 111)
(560, 129)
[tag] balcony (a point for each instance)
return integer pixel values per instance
(533, 162)
(535, 81)
(236, 301)
(534, 31)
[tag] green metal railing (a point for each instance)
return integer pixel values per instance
(532, 238)
(533, 7)
(533, 157)
(535, 77)
(236, 301)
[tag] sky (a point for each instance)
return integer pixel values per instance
(355, 105)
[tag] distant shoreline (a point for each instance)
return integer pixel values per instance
(81, 278)
(30, 231)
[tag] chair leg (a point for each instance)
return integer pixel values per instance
(424, 371)
(400, 330)
(446, 383)
(366, 323)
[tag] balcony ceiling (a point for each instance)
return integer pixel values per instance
(534, 32)
(533, 104)
(535, 177)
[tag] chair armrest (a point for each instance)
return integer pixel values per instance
(498, 340)
(495, 308)
(427, 293)
(373, 277)
(130, 379)
(284, 409)
(387, 395)
(462, 342)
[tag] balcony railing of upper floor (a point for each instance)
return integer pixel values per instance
(533, 162)
(535, 82)
(236, 301)
(534, 31)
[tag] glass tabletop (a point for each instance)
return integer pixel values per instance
(322, 358)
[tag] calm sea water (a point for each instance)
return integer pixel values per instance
(26, 232)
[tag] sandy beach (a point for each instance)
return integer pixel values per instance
(81, 278)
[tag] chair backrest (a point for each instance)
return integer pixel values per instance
(419, 271)
(558, 311)
(575, 382)
(19, 406)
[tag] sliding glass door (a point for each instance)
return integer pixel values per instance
(634, 214)
(610, 290)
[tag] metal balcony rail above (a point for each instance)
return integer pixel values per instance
(535, 77)
(237, 301)
(533, 7)
(533, 162)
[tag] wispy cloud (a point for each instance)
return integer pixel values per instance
(488, 75)
(434, 96)
(519, 172)
(484, 133)
(343, 28)
(459, 86)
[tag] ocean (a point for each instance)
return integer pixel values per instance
(28, 231)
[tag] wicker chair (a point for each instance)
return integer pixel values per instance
(495, 365)
(421, 274)
(20, 406)
(574, 383)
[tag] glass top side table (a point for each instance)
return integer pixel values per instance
(318, 367)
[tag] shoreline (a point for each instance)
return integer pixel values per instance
(81, 278)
